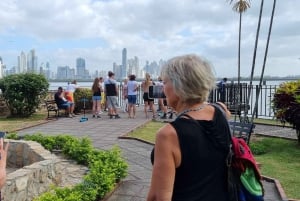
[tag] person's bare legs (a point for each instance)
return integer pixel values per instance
(94, 107)
(129, 110)
(145, 109)
(98, 108)
(152, 108)
(133, 110)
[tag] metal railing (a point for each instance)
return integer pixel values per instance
(235, 99)
(241, 99)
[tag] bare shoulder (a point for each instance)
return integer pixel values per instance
(166, 133)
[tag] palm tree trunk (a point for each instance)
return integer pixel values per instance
(265, 58)
(254, 57)
(239, 50)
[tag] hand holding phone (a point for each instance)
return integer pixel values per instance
(3, 150)
(3, 156)
(2, 134)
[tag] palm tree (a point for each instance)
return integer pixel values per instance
(265, 56)
(254, 57)
(240, 6)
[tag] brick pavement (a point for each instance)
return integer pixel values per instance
(105, 133)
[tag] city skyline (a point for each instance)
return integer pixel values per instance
(61, 31)
(129, 66)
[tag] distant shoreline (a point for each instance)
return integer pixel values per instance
(229, 79)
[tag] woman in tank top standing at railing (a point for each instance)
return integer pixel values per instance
(148, 101)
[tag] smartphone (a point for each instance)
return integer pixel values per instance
(156, 91)
(2, 134)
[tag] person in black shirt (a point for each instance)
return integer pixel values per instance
(62, 102)
(187, 164)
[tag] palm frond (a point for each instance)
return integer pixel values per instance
(241, 5)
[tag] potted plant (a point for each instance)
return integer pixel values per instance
(286, 104)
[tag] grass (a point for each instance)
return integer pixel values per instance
(281, 159)
(147, 132)
(13, 124)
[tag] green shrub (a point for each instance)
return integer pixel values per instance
(79, 95)
(106, 168)
(13, 136)
(24, 92)
(286, 104)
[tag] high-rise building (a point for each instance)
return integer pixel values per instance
(22, 63)
(1, 67)
(80, 68)
(32, 62)
(124, 64)
(136, 67)
(65, 72)
(47, 70)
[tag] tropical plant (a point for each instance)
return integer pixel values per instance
(240, 6)
(286, 104)
(24, 93)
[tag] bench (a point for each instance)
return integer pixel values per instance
(239, 110)
(51, 106)
(242, 130)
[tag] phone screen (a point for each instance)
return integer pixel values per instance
(156, 91)
(2, 134)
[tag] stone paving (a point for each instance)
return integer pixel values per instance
(105, 133)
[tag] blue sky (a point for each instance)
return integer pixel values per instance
(60, 31)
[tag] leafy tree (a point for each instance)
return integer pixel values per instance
(24, 92)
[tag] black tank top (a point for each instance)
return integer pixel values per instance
(202, 173)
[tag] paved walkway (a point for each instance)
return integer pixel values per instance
(105, 133)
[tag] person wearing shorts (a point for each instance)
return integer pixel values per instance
(96, 89)
(111, 91)
(132, 88)
(148, 101)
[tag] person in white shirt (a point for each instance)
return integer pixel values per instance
(132, 88)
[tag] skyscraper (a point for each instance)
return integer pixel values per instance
(80, 68)
(1, 68)
(124, 64)
(22, 63)
(32, 62)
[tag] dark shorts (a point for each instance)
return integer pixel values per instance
(131, 99)
(146, 98)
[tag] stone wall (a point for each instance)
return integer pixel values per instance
(37, 170)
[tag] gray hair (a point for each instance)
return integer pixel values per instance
(191, 76)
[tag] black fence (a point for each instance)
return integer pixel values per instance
(240, 99)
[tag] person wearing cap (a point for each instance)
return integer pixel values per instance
(63, 103)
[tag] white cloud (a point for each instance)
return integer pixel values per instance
(60, 31)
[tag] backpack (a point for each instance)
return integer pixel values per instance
(244, 178)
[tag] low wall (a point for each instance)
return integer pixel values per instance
(37, 170)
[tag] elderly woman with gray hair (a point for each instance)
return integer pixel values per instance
(187, 163)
